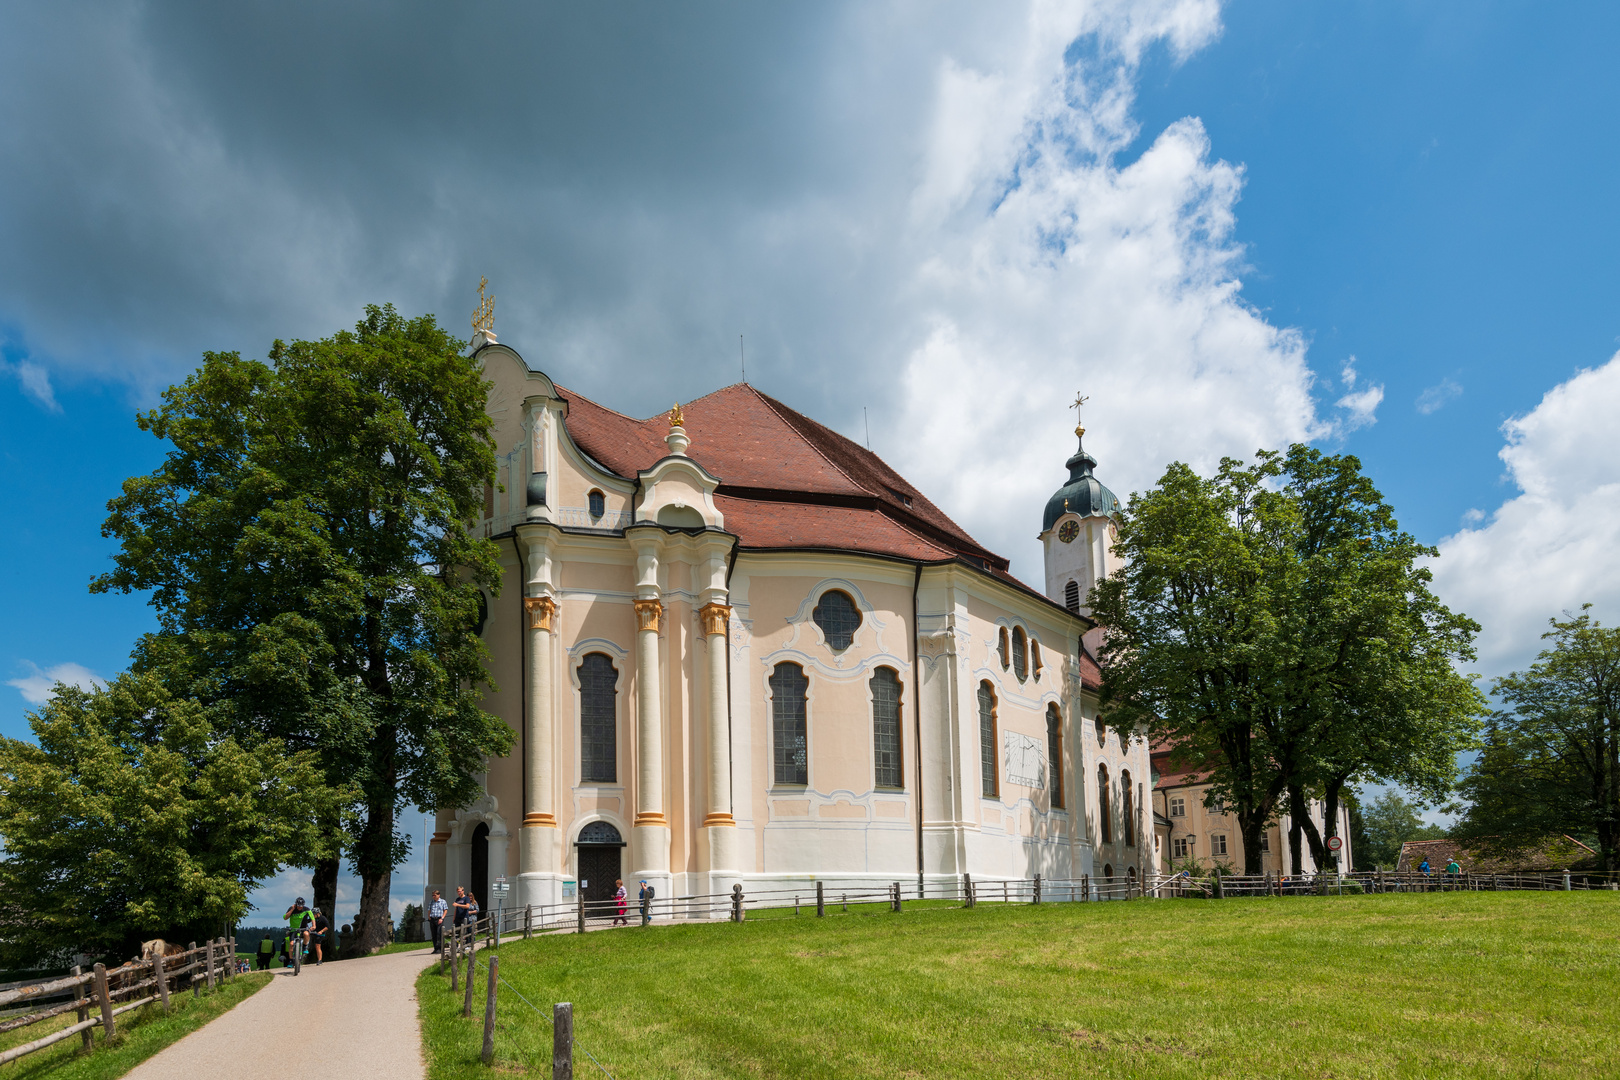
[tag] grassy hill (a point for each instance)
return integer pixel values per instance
(1457, 984)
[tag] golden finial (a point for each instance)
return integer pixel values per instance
(676, 417)
(1079, 402)
(484, 318)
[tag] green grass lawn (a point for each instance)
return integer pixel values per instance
(141, 1033)
(1457, 984)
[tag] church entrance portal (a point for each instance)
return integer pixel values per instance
(479, 885)
(599, 847)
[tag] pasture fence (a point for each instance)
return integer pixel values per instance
(109, 993)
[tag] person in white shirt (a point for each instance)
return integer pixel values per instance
(436, 913)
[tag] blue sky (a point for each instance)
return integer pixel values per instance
(1387, 228)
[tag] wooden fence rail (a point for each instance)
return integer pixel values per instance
(109, 993)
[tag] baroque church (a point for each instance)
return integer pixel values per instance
(736, 647)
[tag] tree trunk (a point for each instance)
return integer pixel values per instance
(1251, 826)
(1300, 811)
(323, 887)
(373, 861)
(1295, 866)
(1330, 818)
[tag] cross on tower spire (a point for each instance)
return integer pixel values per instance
(1079, 403)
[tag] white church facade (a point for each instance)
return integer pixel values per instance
(736, 647)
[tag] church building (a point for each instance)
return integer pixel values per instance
(737, 647)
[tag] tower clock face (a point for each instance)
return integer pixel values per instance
(1068, 531)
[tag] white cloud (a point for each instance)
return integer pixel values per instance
(1043, 264)
(1435, 397)
(35, 381)
(36, 688)
(1555, 545)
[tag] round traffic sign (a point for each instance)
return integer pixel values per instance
(1334, 843)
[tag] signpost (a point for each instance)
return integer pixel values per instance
(1335, 843)
(500, 888)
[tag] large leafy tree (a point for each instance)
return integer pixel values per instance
(305, 547)
(1551, 760)
(133, 816)
(1275, 624)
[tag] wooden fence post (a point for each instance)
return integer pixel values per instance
(1036, 894)
(1085, 886)
(1220, 888)
(83, 1012)
(967, 890)
(562, 1041)
(580, 897)
(736, 903)
(191, 975)
(106, 1002)
(528, 921)
(455, 958)
(472, 961)
(821, 901)
(162, 978)
(210, 968)
(489, 1009)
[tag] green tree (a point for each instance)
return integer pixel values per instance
(1390, 821)
(133, 817)
(1275, 623)
(1551, 761)
(305, 545)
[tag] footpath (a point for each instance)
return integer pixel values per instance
(349, 1019)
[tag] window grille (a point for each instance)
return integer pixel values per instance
(598, 722)
(598, 504)
(600, 832)
(1217, 843)
(1054, 752)
(838, 618)
(988, 785)
(1071, 596)
(1105, 820)
(886, 728)
(1020, 654)
(788, 692)
(1128, 824)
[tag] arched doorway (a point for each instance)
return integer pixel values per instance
(600, 846)
(479, 885)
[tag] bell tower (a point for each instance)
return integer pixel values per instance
(1077, 530)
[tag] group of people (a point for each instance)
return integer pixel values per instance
(465, 909)
(306, 924)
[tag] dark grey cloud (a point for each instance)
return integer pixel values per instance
(641, 182)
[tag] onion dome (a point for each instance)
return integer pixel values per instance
(1084, 494)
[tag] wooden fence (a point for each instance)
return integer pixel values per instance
(101, 995)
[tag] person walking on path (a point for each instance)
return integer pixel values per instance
(620, 898)
(436, 913)
(317, 934)
(460, 907)
(646, 898)
(267, 952)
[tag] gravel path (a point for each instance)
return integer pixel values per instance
(351, 1020)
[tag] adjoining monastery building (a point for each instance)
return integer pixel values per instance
(737, 647)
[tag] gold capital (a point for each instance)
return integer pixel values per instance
(714, 618)
(719, 818)
(539, 821)
(542, 612)
(649, 615)
(651, 817)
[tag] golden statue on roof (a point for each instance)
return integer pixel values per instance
(484, 318)
(676, 417)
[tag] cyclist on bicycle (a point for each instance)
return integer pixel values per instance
(299, 923)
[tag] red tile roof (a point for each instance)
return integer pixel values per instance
(785, 480)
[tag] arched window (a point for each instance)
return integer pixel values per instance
(1108, 871)
(838, 618)
(1128, 825)
(1105, 820)
(600, 832)
(1005, 650)
(988, 786)
(788, 691)
(886, 728)
(1054, 751)
(598, 504)
(1102, 730)
(598, 720)
(1071, 596)
(1020, 651)
(1035, 656)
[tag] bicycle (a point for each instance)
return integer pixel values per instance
(295, 952)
